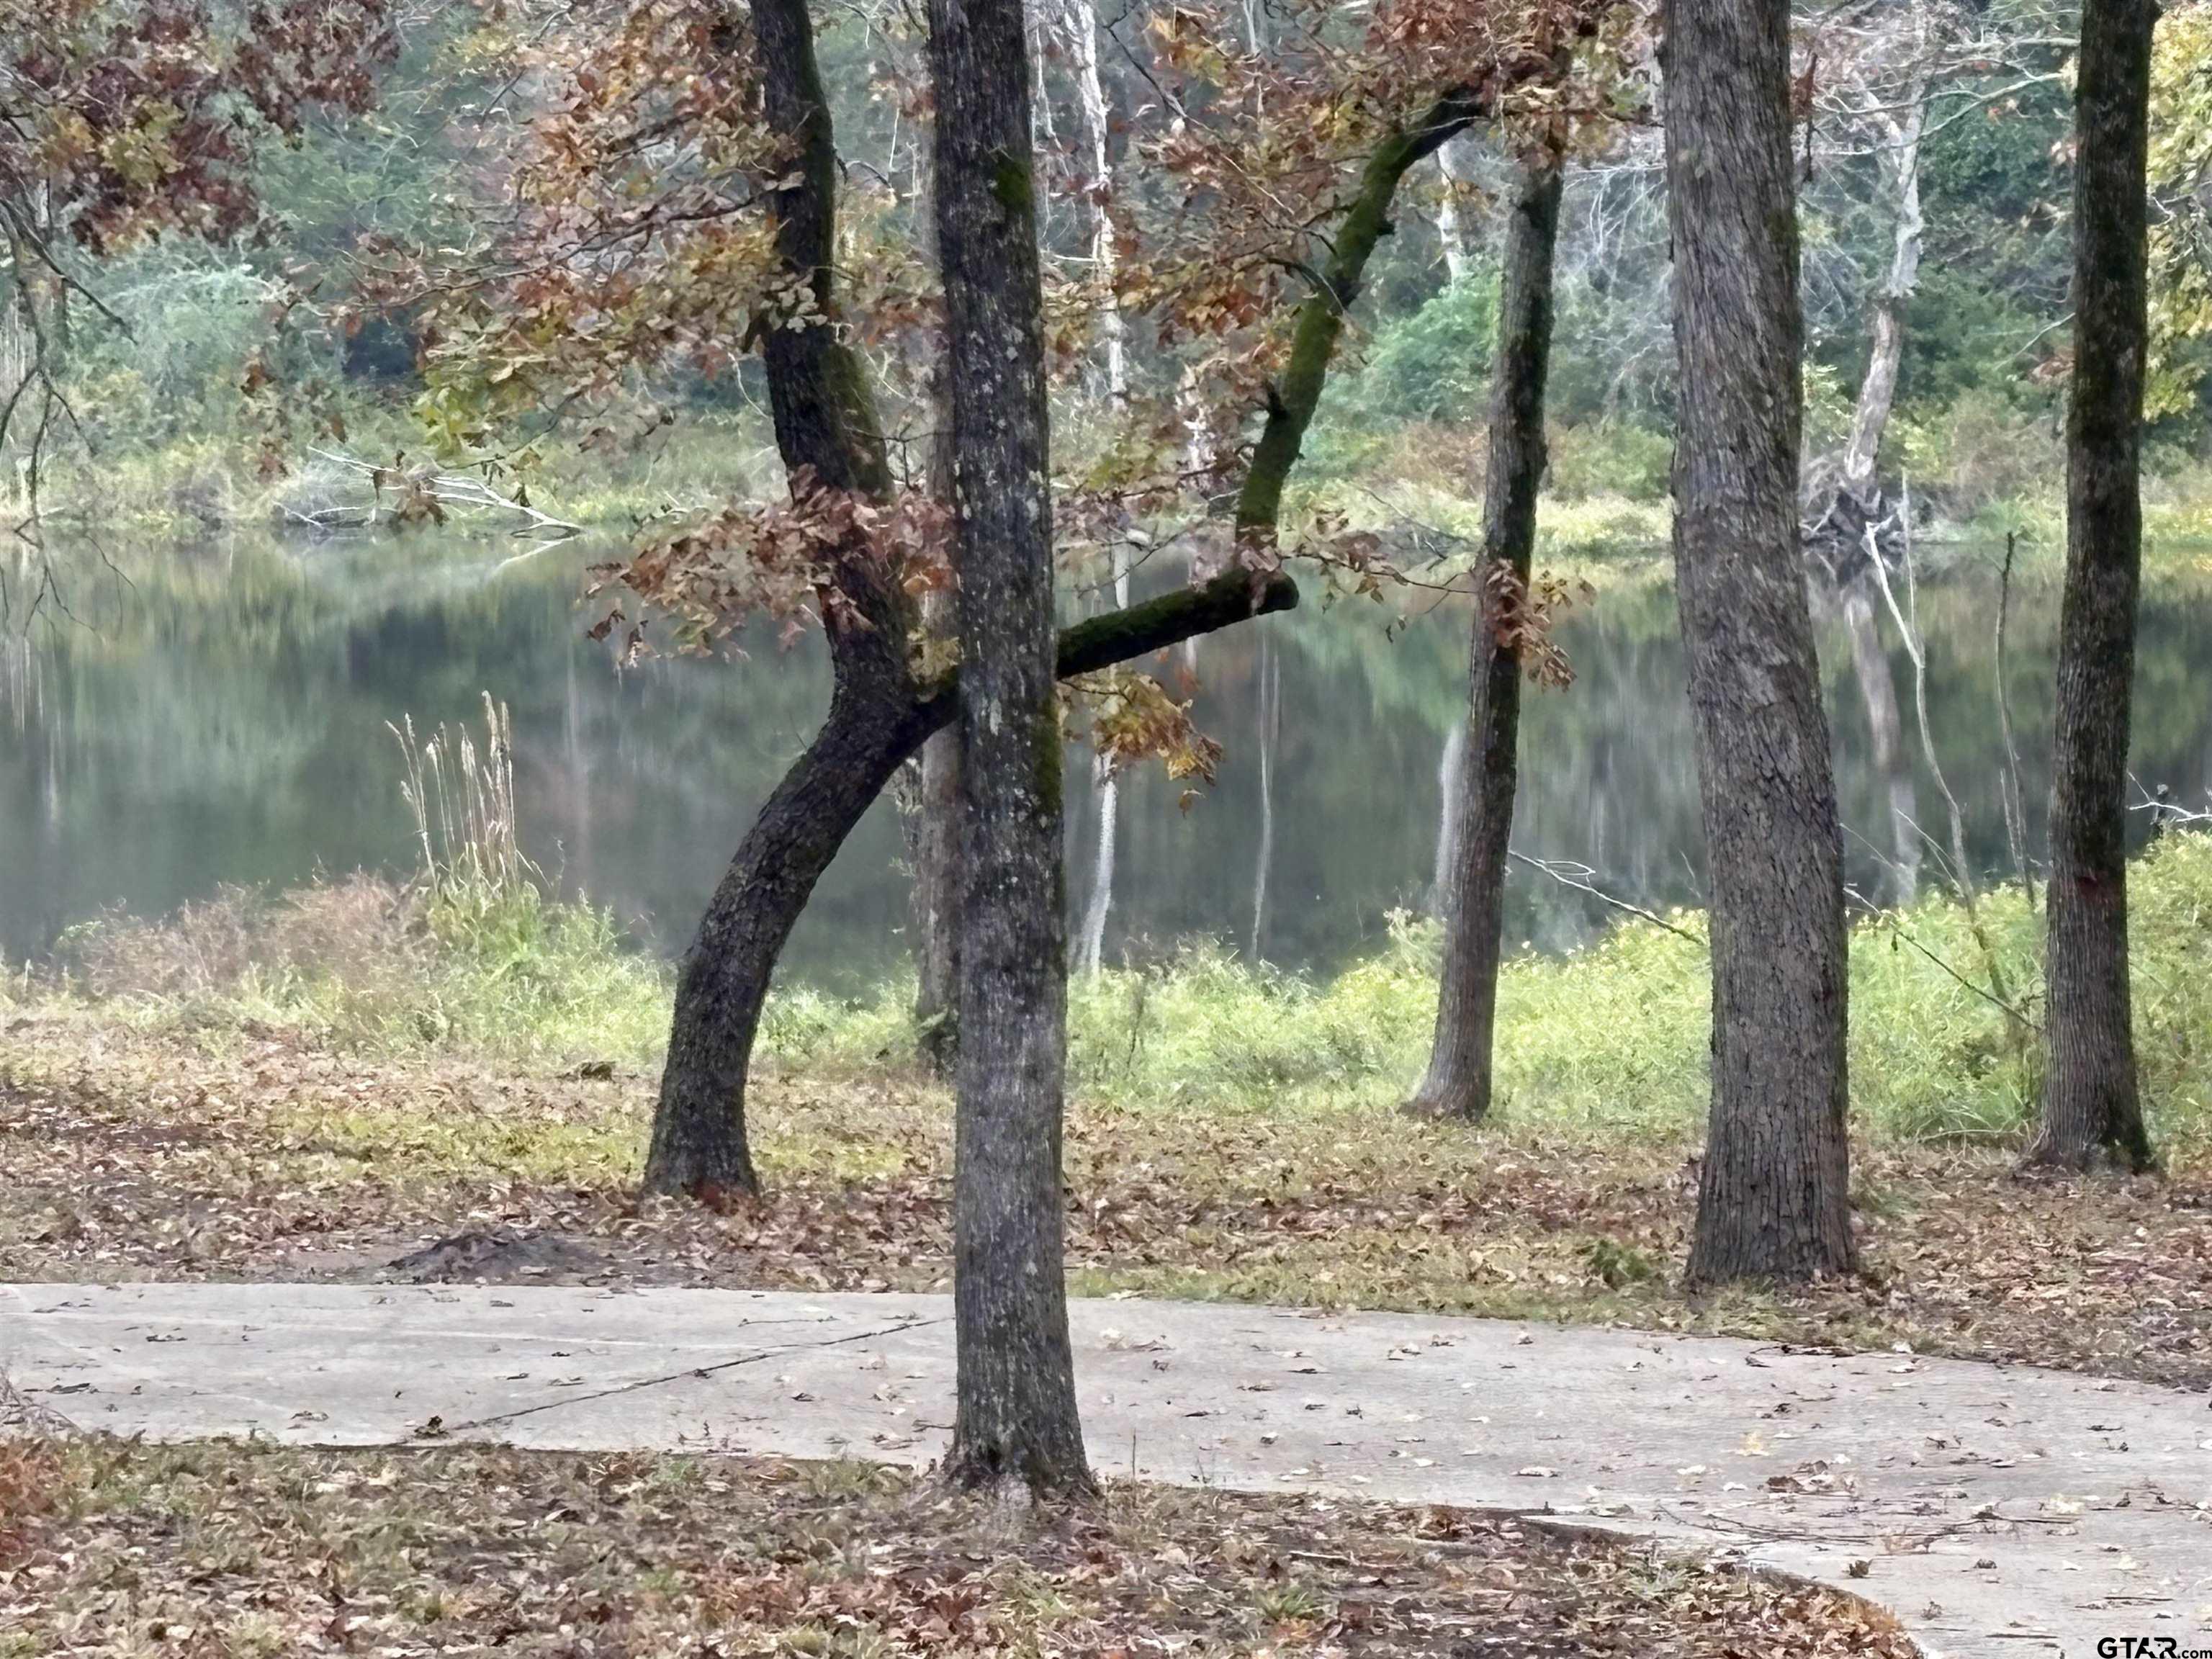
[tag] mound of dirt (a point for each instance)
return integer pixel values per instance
(500, 1256)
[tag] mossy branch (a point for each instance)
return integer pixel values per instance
(1297, 394)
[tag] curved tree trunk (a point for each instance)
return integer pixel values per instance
(699, 1143)
(1458, 1082)
(1015, 1420)
(2092, 1107)
(1772, 1199)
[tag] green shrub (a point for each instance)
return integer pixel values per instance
(1609, 457)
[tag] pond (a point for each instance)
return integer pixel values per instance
(223, 717)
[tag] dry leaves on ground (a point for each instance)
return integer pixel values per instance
(133, 1155)
(213, 1550)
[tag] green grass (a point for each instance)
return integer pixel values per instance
(1613, 1039)
(1607, 1041)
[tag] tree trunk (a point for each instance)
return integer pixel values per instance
(699, 1144)
(937, 898)
(937, 814)
(1268, 728)
(1878, 387)
(1015, 1423)
(2092, 1111)
(1451, 821)
(1773, 1197)
(1108, 787)
(1458, 1084)
(1451, 231)
(824, 424)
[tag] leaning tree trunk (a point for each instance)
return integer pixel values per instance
(1015, 1420)
(1772, 1199)
(1856, 504)
(1458, 1083)
(2092, 1110)
(1886, 355)
(824, 424)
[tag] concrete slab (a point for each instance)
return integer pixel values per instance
(1999, 1512)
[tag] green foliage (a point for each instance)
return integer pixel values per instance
(2180, 169)
(1611, 1041)
(1435, 364)
(1609, 457)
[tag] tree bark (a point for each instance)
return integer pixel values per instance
(2092, 1107)
(937, 813)
(1015, 1420)
(1458, 1082)
(1878, 386)
(1772, 1200)
(825, 425)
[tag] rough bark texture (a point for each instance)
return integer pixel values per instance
(1772, 1199)
(825, 424)
(1458, 1081)
(1015, 1420)
(937, 816)
(2092, 1111)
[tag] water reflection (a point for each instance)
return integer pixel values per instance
(224, 719)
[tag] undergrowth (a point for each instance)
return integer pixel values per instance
(1609, 1040)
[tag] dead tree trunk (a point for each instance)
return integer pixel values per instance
(1458, 1083)
(2091, 1108)
(1016, 1419)
(1855, 499)
(1772, 1200)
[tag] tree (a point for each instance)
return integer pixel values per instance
(126, 120)
(1458, 1082)
(1772, 1197)
(1016, 1420)
(2092, 1107)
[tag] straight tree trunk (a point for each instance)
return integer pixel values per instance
(1458, 1083)
(937, 813)
(1772, 1200)
(1015, 1424)
(2091, 1108)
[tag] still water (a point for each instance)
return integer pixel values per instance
(223, 716)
